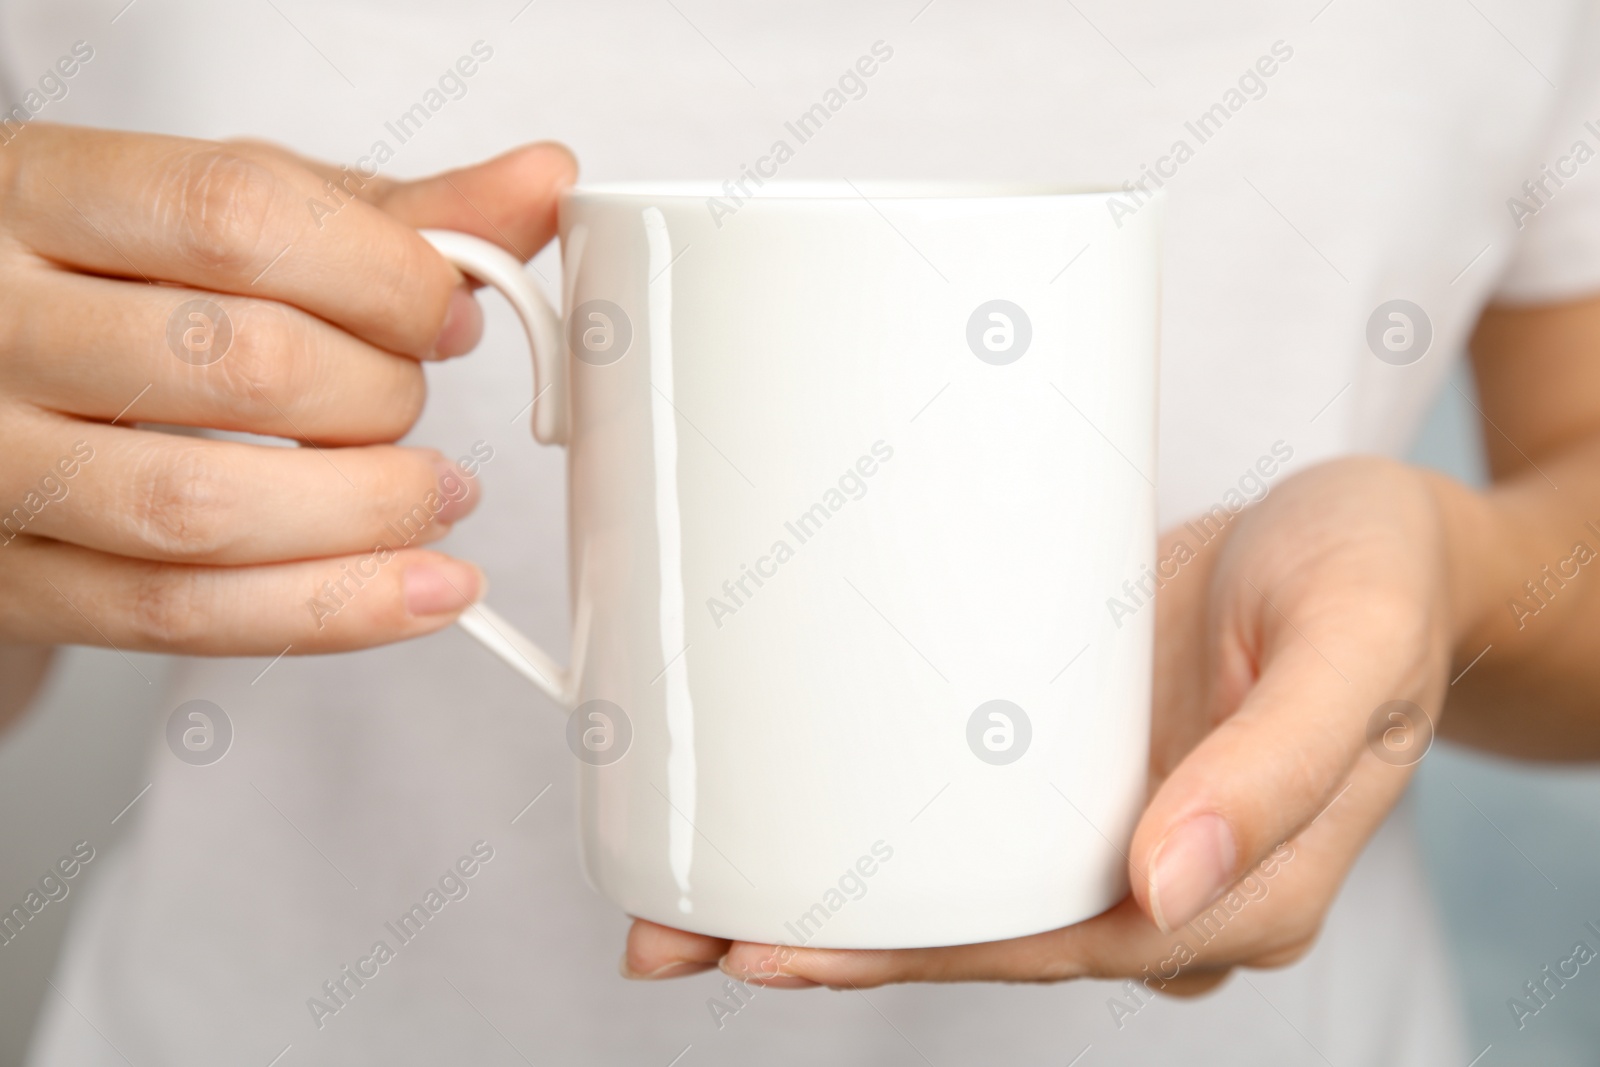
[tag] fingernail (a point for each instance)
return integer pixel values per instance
(463, 325)
(456, 489)
(441, 586)
(1190, 869)
(675, 969)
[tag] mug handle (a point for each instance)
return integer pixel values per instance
(493, 266)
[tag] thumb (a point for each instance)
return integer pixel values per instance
(509, 200)
(1262, 776)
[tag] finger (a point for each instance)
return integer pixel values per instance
(1057, 955)
(229, 220)
(106, 349)
(1179, 701)
(167, 497)
(55, 593)
(654, 951)
(1270, 919)
(1296, 740)
(1263, 774)
(510, 200)
(1197, 984)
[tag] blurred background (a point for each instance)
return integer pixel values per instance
(1510, 847)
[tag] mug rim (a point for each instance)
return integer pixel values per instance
(824, 190)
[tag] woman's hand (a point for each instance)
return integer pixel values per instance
(1271, 764)
(148, 279)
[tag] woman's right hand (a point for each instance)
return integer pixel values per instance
(148, 279)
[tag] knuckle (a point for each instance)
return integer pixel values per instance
(411, 282)
(165, 610)
(419, 292)
(181, 506)
(267, 367)
(280, 372)
(410, 500)
(1291, 951)
(19, 317)
(399, 411)
(1294, 936)
(220, 203)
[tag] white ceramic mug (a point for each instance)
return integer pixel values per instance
(853, 472)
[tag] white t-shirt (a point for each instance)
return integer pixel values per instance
(1334, 158)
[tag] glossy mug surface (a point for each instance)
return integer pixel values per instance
(853, 472)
